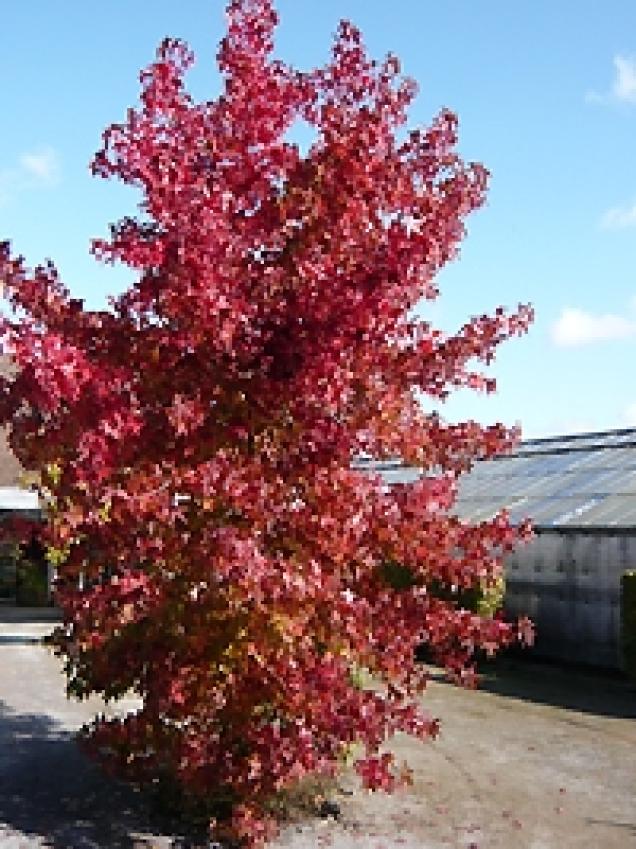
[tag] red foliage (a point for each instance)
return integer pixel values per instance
(195, 441)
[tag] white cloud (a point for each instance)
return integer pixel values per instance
(623, 88)
(577, 327)
(41, 165)
(619, 217)
(34, 169)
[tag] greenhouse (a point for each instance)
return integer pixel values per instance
(580, 492)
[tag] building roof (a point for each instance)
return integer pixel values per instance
(391, 471)
(580, 481)
(10, 469)
(16, 498)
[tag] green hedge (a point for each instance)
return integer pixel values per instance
(628, 622)
(31, 585)
(485, 600)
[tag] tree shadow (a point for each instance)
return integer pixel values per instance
(50, 790)
(629, 827)
(559, 685)
(18, 640)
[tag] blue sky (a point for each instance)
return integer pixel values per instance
(546, 96)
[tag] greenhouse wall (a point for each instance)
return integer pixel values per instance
(568, 583)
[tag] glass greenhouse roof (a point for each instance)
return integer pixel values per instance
(580, 481)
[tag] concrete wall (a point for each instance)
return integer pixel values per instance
(568, 583)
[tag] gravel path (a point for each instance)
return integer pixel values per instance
(539, 758)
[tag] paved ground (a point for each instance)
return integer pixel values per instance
(539, 758)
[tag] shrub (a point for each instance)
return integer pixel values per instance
(628, 622)
(31, 584)
(486, 599)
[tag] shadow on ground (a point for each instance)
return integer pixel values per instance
(629, 828)
(585, 691)
(23, 615)
(51, 791)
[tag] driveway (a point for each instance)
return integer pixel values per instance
(539, 758)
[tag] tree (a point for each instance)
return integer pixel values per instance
(216, 552)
